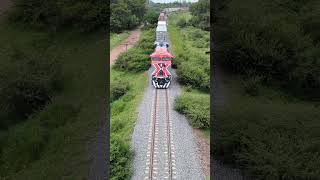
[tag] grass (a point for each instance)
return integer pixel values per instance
(193, 64)
(124, 114)
(60, 132)
(116, 39)
(206, 134)
(195, 104)
(271, 135)
(182, 37)
(123, 117)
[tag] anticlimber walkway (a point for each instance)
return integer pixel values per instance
(127, 44)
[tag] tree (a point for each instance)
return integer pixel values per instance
(151, 17)
(126, 14)
(201, 14)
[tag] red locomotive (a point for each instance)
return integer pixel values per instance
(161, 58)
(161, 61)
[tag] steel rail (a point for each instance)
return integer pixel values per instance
(169, 143)
(152, 148)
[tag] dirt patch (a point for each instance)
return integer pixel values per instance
(127, 44)
(204, 148)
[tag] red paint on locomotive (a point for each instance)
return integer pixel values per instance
(161, 59)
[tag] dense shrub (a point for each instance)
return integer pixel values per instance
(151, 17)
(191, 62)
(121, 17)
(119, 158)
(193, 74)
(24, 145)
(118, 89)
(57, 115)
(126, 14)
(146, 42)
(201, 43)
(269, 39)
(28, 81)
(26, 142)
(199, 37)
(137, 58)
(196, 34)
(311, 20)
(179, 59)
(269, 139)
(54, 14)
(134, 60)
(201, 14)
(196, 107)
(182, 22)
(252, 85)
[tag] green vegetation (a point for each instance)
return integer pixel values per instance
(123, 117)
(137, 58)
(151, 17)
(196, 106)
(134, 60)
(192, 69)
(201, 14)
(160, 6)
(272, 135)
(193, 65)
(273, 40)
(116, 39)
(126, 14)
(47, 63)
(118, 88)
(269, 125)
(128, 80)
(59, 14)
(50, 141)
(28, 80)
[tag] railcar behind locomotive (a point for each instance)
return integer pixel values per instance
(161, 35)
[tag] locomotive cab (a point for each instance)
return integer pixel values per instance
(161, 61)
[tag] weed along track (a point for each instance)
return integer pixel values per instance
(160, 155)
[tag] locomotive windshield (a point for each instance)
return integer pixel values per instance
(156, 59)
(161, 59)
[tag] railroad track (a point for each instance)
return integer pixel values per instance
(160, 162)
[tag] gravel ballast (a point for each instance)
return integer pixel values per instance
(187, 163)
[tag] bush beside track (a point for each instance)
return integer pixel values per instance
(137, 58)
(128, 80)
(192, 69)
(193, 65)
(196, 106)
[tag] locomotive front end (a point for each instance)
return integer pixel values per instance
(161, 61)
